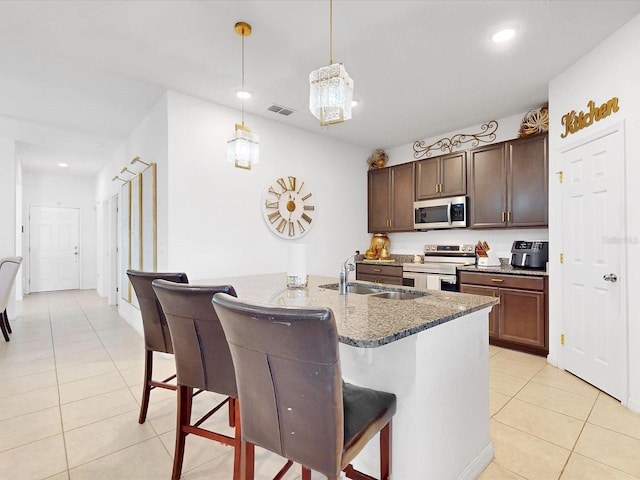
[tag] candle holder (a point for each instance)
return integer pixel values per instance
(297, 281)
(297, 270)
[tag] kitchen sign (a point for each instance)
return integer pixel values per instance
(573, 121)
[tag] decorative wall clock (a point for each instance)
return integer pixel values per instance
(288, 207)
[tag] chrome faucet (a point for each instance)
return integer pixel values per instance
(344, 275)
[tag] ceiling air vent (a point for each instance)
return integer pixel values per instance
(281, 110)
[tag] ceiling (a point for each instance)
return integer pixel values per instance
(76, 77)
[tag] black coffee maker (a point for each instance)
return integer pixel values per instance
(529, 254)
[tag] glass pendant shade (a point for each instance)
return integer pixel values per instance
(243, 147)
(330, 94)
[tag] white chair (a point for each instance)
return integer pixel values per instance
(8, 269)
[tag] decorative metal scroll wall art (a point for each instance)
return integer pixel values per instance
(138, 224)
(487, 134)
(573, 121)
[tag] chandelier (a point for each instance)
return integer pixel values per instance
(243, 146)
(330, 88)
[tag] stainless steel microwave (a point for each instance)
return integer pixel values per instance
(448, 212)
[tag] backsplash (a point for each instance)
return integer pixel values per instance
(500, 240)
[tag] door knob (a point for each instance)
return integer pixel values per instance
(610, 277)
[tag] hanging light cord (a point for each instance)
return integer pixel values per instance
(330, 32)
(243, 92)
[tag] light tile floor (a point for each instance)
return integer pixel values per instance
(71, 382)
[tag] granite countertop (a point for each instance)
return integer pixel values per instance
(362, 320)
(394, 259)
(505, 269)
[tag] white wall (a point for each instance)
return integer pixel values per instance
(215, 220)
(7, 197)
(610, 70)
(209, 217)
(149, 142)
(68, 191)
(500, 240)
(9, 181)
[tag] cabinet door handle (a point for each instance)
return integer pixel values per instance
(497, 280)
(502, 217)
(377, 269)
(508, 216)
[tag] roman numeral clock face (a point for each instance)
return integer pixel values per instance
(288, 207)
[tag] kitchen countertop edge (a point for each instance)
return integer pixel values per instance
(504, 269)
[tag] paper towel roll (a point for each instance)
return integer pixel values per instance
(297, 260)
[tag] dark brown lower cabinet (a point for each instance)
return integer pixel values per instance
(389, 274)
(520, 320)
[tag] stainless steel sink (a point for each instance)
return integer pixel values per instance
(354, 288)
(399, 295)
(379, 292)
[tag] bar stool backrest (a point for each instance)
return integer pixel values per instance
(201, 351)
(156, 331)
(289, 380)
(9, 267)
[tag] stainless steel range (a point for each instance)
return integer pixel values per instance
(438, 272)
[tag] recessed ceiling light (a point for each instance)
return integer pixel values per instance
(243, 95)
(354, 103)
(503, 35)
(63, 165)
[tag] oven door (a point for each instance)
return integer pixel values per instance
(430, 281)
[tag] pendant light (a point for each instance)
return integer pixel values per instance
(330, 88)
(243, 146)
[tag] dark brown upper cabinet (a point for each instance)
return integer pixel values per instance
(508, 184)
(443, 176)
(390, 199)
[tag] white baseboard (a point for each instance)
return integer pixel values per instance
(482, 461)
(634, 405)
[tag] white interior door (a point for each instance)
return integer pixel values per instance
(593, 232)
(53, 249)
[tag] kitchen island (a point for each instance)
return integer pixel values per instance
(431, 351)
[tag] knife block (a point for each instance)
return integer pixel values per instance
(491, 260)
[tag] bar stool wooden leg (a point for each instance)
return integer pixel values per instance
(232, 411)
(146, 387)
(6, 321)
(184, 418)
(237, 442)
(3, 327)
(247, 452)
(385, 452)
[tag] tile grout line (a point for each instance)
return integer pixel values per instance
(55, 364)
(157, 434)
(584, 424)
(119, 373)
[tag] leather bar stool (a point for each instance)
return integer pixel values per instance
(293, 401)
(9, 267)
(156, 331)
(202, 360)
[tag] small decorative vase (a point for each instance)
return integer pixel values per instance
(381, 245)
